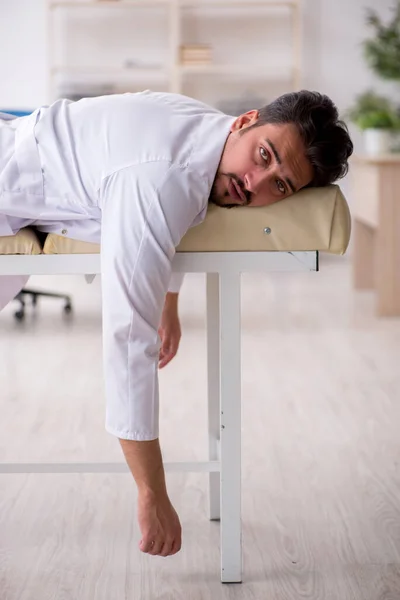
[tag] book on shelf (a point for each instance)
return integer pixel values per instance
(195, 54)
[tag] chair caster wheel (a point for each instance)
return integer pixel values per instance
(68, 309)
(19, 315)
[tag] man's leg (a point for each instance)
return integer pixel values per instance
(10, 286)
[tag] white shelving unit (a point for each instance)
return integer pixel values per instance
(104, 46)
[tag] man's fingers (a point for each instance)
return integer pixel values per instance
(176, 546)
(170, 338)
(165, 343)
(168, 351)
(157, 547)
(147, 543)
(145, 546)
(165, 359)
(167, 548)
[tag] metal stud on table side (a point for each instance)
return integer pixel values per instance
(267, 230)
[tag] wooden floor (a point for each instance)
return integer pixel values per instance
(321, 451)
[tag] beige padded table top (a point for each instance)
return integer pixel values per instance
(312, 219)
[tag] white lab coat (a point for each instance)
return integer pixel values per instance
(133, 171)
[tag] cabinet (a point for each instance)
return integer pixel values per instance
(376, 223)
(228, 53)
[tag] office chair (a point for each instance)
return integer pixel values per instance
(35, 294)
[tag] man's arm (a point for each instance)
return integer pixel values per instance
(146, 211)
(157, 518)
(169, 330)
(145, 463)
(144, 458)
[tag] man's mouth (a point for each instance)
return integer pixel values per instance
(236, 192)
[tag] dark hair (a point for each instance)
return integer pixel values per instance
(326, 138)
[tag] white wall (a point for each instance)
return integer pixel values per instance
(22, 53)
(332, 56)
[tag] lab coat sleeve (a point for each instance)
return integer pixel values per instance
(146, 211)
(10, 286)
(176, 282)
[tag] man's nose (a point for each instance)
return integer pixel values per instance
(255, 180)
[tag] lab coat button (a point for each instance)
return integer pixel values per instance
(64, 231)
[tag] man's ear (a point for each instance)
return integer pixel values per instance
(245, 120)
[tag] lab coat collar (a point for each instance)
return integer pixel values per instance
(210, 143)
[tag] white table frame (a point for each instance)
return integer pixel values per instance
(223, 271)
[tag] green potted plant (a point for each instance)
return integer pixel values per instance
(377, 117)
(382, 52)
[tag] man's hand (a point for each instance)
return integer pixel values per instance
(159, 525)
(169, 330)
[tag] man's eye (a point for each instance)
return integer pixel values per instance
(281, 186)
(264, 154)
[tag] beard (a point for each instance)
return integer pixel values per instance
(219, 199)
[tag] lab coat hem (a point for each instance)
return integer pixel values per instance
(135, 436)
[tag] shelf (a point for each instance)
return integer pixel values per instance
(256, 72)
(172, 24)
(181, 3)
(108, 3)
(238, 3)
(161, 73)
(111, 74)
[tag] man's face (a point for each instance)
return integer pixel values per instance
(260, 166)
